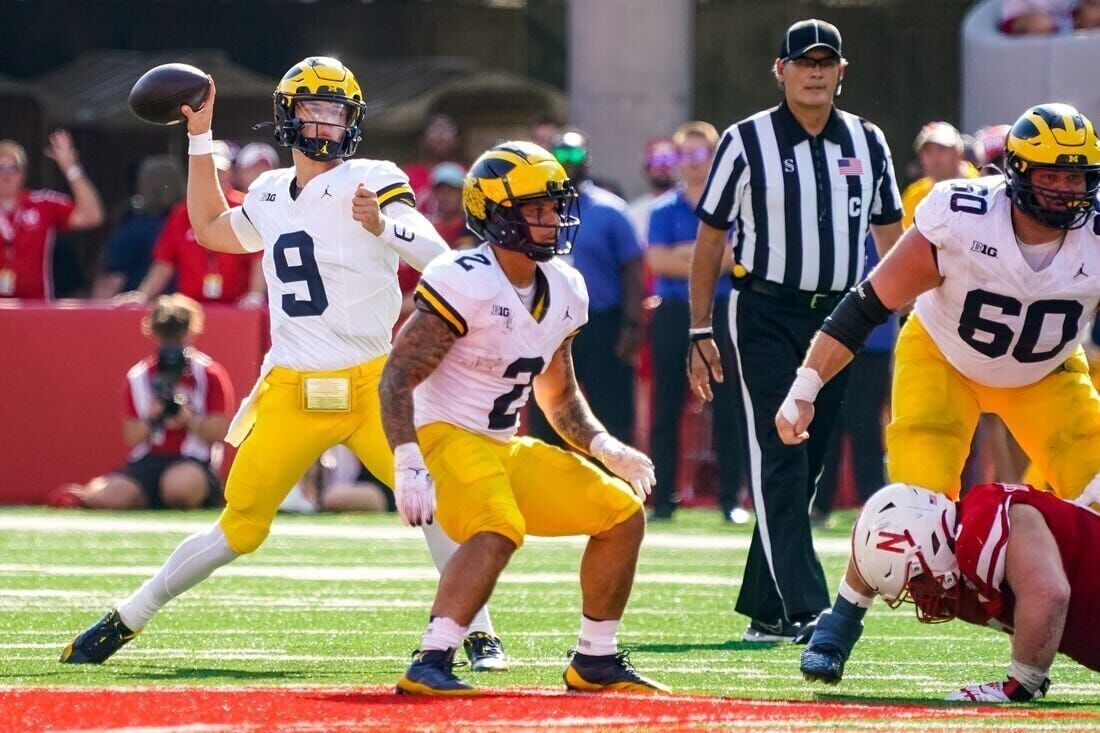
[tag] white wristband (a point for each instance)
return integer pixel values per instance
(705, 331)
(407, 453)
(75, 173)
(807, 383)
(201, 144)
(599, 444)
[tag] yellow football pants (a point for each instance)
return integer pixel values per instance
(522, 487)
(287, 439)
(935, 410)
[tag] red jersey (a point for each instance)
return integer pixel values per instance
(208, 390)
(980, 546)
(27, 234)
(208, 277)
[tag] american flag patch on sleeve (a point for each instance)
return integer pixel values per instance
(849, 166)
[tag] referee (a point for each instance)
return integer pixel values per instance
(802, 183)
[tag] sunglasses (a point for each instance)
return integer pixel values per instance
(570, 156)
(826, 64)
(695, 155)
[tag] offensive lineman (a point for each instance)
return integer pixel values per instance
(1007, 556)
(1005, 276)
(334, 299)
(490, 324)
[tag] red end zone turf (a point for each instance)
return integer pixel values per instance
(303, 708)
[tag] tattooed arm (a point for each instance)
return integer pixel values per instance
(561, 400)
(420, 346)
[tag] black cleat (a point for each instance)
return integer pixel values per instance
(607, 673)
(99, 642)
(822, 663)
(431, 673)
(485, 652)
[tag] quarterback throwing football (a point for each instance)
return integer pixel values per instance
(331, 231)
(1006, 276)
(491, 323)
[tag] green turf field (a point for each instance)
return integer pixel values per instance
(335, 600)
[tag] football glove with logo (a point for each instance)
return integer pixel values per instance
(414, 491)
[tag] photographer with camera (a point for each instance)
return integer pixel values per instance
(177, 406)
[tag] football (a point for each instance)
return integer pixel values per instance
(158, 94)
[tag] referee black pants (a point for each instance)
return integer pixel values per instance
(669, 344)
(607, 381)
(783, 579)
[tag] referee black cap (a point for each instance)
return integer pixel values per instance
(809, 34)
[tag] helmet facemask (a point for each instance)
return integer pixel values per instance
(508, 228)
(289, 125)
(1076, 205)
(903, 546)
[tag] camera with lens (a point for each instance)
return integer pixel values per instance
(172, 362)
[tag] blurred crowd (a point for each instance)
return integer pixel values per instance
(635, 257)
(1046, 17)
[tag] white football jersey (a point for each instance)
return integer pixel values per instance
(996, 320)
(331, 285)
(485, 378)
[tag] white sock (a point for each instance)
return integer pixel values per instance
(598, 637)
(442, 634)
(191, 563)
(442, 547)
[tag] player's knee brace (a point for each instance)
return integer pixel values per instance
(243, 535)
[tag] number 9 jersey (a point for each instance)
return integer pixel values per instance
(996, 320)
(486, 377)
(332, 285)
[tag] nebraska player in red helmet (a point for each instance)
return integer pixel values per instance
(1007, 556)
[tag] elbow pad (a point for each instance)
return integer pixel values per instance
(857, 314)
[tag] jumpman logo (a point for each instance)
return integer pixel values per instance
(326, 193)
(1081, 272)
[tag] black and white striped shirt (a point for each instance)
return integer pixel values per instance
(802, 205)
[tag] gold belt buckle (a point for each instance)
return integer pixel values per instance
(326, 394)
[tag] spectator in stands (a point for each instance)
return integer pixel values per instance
(338, 483)
(662, 159)
(939, 148)
(252, 160)
(439, 144)
(861, 415)
(606, 252)
(31, 220)
(1037, 17)
(205, 276)
(989, 148)
(129, 252)
(447, 215)
(178, 403)
(544, 131)
(672, 229)
(1086, 16)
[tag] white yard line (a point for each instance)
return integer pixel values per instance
(82, 523)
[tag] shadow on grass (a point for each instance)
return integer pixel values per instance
(731, 645)
(206, 673)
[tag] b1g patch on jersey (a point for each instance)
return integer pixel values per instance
(994, 317)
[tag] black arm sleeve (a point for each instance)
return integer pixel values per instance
(859, 313)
